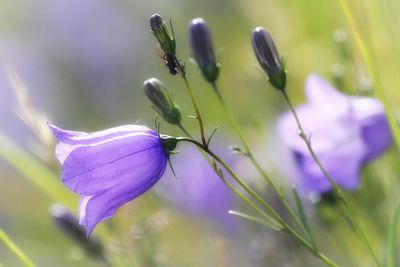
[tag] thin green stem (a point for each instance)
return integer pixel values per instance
(15, 249)
(236, 177)
(249, 202)
(338, 192)
(250, 191)
(271, 212)
(237, 192)
(183, 129)
(306, 140)
(311, 249)
(198, 116)
(249, 153)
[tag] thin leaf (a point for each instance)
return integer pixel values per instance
(303, 218)
(15, 249)
(273, 224)
(392, 234)
(35, 171)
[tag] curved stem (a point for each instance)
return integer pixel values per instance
(303, 136)
(286, 228)
(236, 177)
(198, 116)
(338, 192)
(250, 155)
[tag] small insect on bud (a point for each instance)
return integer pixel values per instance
(164, 36)
(268, 57)
(69, 225)
(202, 49)
(162, 100)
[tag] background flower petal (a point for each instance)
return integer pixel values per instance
(324, 97)
(375, 129)
(325, 129)
(343, 165)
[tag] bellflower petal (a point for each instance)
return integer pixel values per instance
(346, 132)
(321, 94)
(109, 168)
(375, 127)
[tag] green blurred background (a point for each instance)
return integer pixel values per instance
(84, 62)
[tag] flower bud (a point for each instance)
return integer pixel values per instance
(202, 49)
(165, 38)
(69, 225)
(162, 101)
(268, 57)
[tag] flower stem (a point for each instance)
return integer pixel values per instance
(183, 129)
(250, 155)
(15, 249)
(338, 192)
(271, 212)
(198, 116)
(303, 136)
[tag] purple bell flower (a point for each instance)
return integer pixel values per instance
(346, 132)
(110, 167)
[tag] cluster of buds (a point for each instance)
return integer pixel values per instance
(203, 52)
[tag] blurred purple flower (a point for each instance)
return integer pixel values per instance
(198, 191)
(109, 168)
(346, 133)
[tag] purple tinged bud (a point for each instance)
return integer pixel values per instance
(268, 57)
(162, 101)
(69, 225)
(156, 22)
(164, 36)
(202, 49)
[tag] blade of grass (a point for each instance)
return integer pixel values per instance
(35, 171)
(392, 234)
(380, 92)
(303, 218)
(15, 249)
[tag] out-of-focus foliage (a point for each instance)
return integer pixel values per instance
(84, 63)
